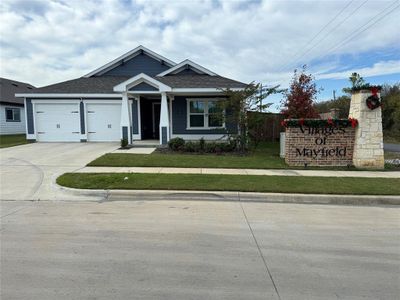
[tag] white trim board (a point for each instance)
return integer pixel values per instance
(130, 54)
(55, 95)
(175, 69)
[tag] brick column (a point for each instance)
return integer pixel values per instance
(368, 144)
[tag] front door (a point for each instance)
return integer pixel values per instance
(150, 118)
(156, 120)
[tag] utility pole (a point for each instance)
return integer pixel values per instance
(334, 94)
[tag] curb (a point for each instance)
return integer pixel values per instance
(135, 195)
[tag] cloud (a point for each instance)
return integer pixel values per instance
(43, 42)
(377, 69)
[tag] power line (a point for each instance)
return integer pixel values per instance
(321, 30)
(334, 29)
(358, 32)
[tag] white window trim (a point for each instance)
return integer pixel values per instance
(13, 109)
(206, 119)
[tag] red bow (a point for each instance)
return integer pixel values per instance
(374, 91)
(353, 122)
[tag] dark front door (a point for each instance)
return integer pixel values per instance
(150, 118)
(156, 120)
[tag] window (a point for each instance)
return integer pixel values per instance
(13, 115)
(205, 114)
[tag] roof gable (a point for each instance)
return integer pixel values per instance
(141, 63)
(123, 59)
(143, 86)
(187, 65)
(138, 80)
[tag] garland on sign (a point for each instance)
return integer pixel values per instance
(373, 101)
(320, 123)
(366, 86)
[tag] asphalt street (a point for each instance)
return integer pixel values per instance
(198, 250)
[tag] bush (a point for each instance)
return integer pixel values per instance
(202, 144)
(192, 147)
(210, 147)
(124, 143)
(176, 144)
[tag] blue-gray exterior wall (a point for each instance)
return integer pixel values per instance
(141, 63)
(125, 132)
(135, 117)
(29, 116)
(143, 87)
(179, 119)
(164, 137)
(82, 116)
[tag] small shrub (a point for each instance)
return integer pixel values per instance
(124, 143)
(176, 144)
(191, 147)
(202, 144)
(210, 147)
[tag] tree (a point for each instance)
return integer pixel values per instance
(356, 81)
(391, 110)
(299, 99)
(342, 103)
(238, 103)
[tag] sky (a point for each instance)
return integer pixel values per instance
(44, 42)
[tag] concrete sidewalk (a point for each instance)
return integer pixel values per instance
(268, 172)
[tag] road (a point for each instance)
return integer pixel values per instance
(198, 250)
(391, 147)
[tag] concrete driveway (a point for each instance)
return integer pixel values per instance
(198, 250)
(28, 172)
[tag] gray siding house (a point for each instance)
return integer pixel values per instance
(140, 95)
(12, 113)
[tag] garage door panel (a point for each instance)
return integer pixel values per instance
(103, 122)
(57, 122)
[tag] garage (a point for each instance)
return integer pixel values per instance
(57, 122)
(103, 122)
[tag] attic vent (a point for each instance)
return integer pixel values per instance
(14, 84)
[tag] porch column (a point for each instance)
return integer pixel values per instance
(126, 123)
(164, 120)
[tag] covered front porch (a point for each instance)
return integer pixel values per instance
(145, 111)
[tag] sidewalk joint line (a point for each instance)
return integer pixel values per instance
(259, 249)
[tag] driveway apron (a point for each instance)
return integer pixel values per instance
(28, 172)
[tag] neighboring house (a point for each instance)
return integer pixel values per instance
(140, 95)
(12, 114)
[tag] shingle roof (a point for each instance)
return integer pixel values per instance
(9, 87)
(105, 84)
(199, 81)
(82, 85)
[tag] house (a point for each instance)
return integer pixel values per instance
(139, 95)
(12, 114)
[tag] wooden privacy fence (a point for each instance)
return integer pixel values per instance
(270, 127)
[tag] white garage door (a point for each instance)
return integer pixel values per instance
(103, 122)
(57, 122)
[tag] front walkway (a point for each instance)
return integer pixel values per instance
(270, 172)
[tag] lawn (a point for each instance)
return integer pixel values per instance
(266, 156)
(245, 183)
(12, 140)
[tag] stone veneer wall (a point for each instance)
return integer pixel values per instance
(328, 147)
(368, 146)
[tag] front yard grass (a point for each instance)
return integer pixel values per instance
(266, 156)
(244, 183)
(12, 140)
